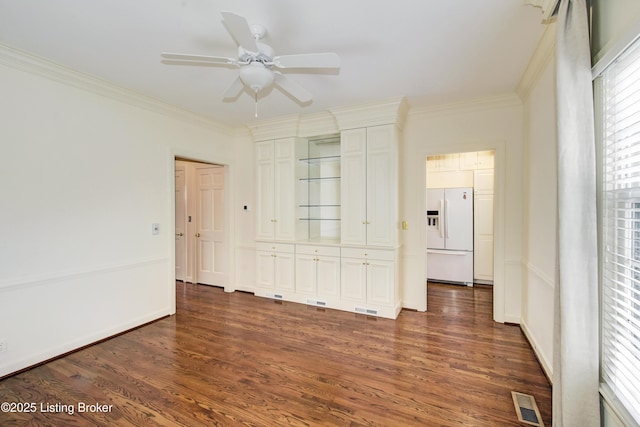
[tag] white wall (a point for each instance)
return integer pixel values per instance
(494, 123)
(540, 213)
(87, 168)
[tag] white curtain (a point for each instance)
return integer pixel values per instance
(576, 348)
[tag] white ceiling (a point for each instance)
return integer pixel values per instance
(430, 51)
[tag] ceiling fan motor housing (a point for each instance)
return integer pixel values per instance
(256, 76)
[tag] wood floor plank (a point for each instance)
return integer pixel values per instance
(234, 359)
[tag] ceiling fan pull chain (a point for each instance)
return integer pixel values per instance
(256, 97)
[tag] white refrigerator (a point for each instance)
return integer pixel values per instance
(450, 235)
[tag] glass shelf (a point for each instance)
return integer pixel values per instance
(318, 188)
(321, 159)
(320, 178)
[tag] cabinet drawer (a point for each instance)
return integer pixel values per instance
(318, 250)
(379, 254)
(275, 247)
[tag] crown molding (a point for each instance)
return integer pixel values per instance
(35, 65)
(541, 57)
(390, 111)
(507, 100)
(281, 127)
(548, 8)
(317, 124)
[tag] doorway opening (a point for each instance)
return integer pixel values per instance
(459, 208)
(201, 223)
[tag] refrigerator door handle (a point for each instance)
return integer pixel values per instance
(440, 218)
(446, 221)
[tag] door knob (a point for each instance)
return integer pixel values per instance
(197, 234)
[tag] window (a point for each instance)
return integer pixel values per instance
(618, 90)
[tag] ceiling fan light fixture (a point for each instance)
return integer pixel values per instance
(256, 76)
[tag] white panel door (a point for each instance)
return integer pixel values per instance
(382, 183)
(211, 228)
(458, 223)
(265, 191)
(353, 186)
(180, 226)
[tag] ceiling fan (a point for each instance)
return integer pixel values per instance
(257, 63)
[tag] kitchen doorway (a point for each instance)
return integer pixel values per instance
(469, 258)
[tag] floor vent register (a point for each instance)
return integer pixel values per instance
(527, 409)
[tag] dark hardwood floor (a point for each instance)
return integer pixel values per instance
(236, 359)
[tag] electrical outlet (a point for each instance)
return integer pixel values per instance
(3, 346)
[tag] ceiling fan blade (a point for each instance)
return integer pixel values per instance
(240, 30)
(292, 88)
(234, 90)
(308, 60)
(199, 58)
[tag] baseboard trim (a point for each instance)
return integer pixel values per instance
(82, 347)
(544, 364)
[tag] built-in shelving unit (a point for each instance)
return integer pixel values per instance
(318, 191)
(327, 208)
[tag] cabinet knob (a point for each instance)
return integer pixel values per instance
(179, 234)
(197, 234)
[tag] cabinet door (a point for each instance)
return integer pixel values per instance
(284, 189)
(382, 183)
(328, 276)
(265, 190)
(353, 187)
(306, 273)
(265, 271)
(485, 159)
(483, 237)
(353, 280)
(380, 282)
(468, 161)
(284, 271)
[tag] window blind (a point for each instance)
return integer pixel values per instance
(619, 87)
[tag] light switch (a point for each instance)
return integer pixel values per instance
(155, 228)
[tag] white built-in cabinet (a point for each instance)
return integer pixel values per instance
(366, 276)
(276, 171)
(318, 271)
(369, 180)
(327, 220)
(275, 266)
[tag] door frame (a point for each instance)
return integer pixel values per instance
(499, 261)
(214, 159)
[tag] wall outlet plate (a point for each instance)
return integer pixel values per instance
(3, 346)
